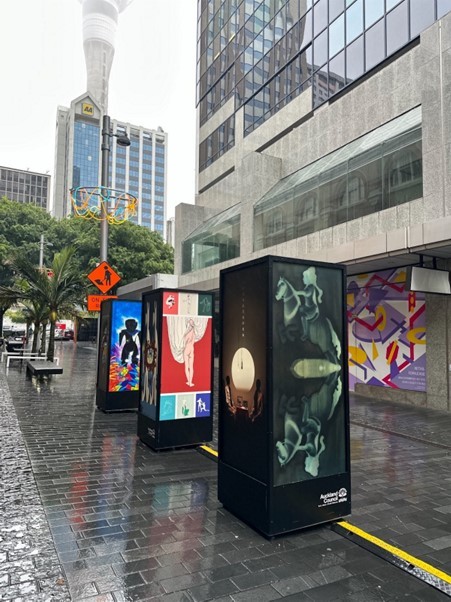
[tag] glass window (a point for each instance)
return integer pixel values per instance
(337, 73)
(336, 7)
(306, 30)
(375, 45)
(215, 241)
(320, 50)
(397, 28)
(320, 86)
(443, 7)
(422, 14)
(374, 10)
(319, 16)
(354, 21)
(354, 60)
(392, 3)
(336, 36)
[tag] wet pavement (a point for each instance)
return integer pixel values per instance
(130, 524)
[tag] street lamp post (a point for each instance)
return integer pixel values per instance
(41, 251)
(122, 140)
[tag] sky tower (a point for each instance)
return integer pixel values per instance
(100, 20)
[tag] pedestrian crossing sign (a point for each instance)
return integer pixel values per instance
(104, 277)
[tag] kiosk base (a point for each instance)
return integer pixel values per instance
(117, 402)
(285, 508)
(167, 434)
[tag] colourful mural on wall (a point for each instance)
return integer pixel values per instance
(387, 331)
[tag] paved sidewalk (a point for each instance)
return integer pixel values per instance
(129, 524)
(29, 565)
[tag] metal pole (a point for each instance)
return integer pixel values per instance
(41, 252)
(104, 184)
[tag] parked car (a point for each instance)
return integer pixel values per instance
(15, 340)
(68, 334)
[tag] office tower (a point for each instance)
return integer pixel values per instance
(139, 169)
(25, 186)
(100, 20)
(324, 134)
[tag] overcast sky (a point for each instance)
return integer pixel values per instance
(152, 80)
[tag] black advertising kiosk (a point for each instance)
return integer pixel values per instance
(175, 401)
(283, 394)
(119, 355)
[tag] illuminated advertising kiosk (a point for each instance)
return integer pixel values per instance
(175, 399)
(283, 394)
(119, 355)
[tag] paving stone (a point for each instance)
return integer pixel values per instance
(131, 525)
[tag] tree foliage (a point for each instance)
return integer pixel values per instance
(134, 251)
(52, 296)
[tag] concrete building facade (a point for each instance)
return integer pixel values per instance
(25, 186)
(139, 169)
(352, 165)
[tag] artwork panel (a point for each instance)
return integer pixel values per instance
(243, 388)
(125, 346)
(188, 304)
(308, 373)
(168, 407)
(185, 406)
(387, 331)
(205, 307)
(203, 404)
(150, 359)
(186, 354)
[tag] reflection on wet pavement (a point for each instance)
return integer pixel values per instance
(131, 524)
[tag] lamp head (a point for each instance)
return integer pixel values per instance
(123, 140)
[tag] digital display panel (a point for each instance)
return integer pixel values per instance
(125, 346)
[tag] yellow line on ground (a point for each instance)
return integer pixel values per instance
(396, 551)
(209, 450)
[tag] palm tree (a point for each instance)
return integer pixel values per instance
(57, 292)
(36, 313)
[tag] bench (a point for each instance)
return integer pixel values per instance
(34, 358)
(6, 354)
(43, 368)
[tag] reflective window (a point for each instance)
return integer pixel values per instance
(375, 45)
(443, 7)
(320, 50)
(336, 7)
(336, 36)
(392, 3)
(354, 21)
(397, 28)
(337, 78)
(319, 16)
(305, 30)
(253, 60)
(422, 14)
(374, 10)
(86, 154)
(354, 60)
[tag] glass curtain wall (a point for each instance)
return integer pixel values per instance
(217, 240)
(264, 53)
(379, 170)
